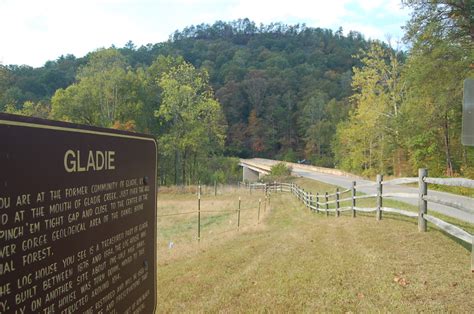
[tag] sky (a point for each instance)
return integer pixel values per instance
(35, 31)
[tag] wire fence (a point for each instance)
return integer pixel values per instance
(253, 207)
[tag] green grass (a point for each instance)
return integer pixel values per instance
(316, 186)
(299, 261)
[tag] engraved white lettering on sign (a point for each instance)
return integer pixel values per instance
(95, 161)
(98, 271)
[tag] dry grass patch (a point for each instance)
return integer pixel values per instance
(299, 261)
(178, 223)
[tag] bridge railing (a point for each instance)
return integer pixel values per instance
(331, 203)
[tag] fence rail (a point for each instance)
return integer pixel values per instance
(331, 202)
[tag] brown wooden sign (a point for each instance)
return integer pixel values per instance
(77, 218)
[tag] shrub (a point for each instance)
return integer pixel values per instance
(280, 170)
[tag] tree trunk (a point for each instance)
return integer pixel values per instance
(449, 164)
(184, 167)
(176, 156)
(194, 166)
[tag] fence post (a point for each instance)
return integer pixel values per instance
(310, 201)
(379, 197)
(238, 217)
(265, 204)
(317, 202)
(259, 204)
(422, 204)
(215, 187)
(337, 202)
(327, 205)
(353, 199)
(199, 217)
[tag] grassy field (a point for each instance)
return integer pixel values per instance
(295, 260)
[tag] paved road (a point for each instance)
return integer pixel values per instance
(346, 182)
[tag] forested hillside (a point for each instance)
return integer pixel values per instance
(279, 91)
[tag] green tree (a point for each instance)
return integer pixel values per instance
(367, 141)
(432, 110)
(441, 36)
(192, 119)
(106, 92)
(31, 109)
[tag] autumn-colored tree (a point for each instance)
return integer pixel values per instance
(255, 130)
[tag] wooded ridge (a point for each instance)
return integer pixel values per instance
(286, 92)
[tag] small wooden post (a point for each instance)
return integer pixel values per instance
(337, 203)
(259, 204)
(215, 187)
(310, 201)
(379, 197)
(265, 204)
(250, 188)
(327, 205)
(199, 217)
(472, 255)
(353, 199)
(200, 192)
(317, 202)
(422, 204)
(238, 216)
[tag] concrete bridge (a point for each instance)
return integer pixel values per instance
(255, 168)
(253, 171)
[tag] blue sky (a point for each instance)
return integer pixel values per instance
(34, 31)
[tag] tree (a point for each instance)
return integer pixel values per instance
(433, 111)
(192, 119)
(441, 35)
(447, 19)
(30, 109)
(104, 94)
(255, 134)
(367, 141)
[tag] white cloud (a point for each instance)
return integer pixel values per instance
(321, 12)
(34, 31)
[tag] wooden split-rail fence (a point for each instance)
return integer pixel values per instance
(331, 203)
